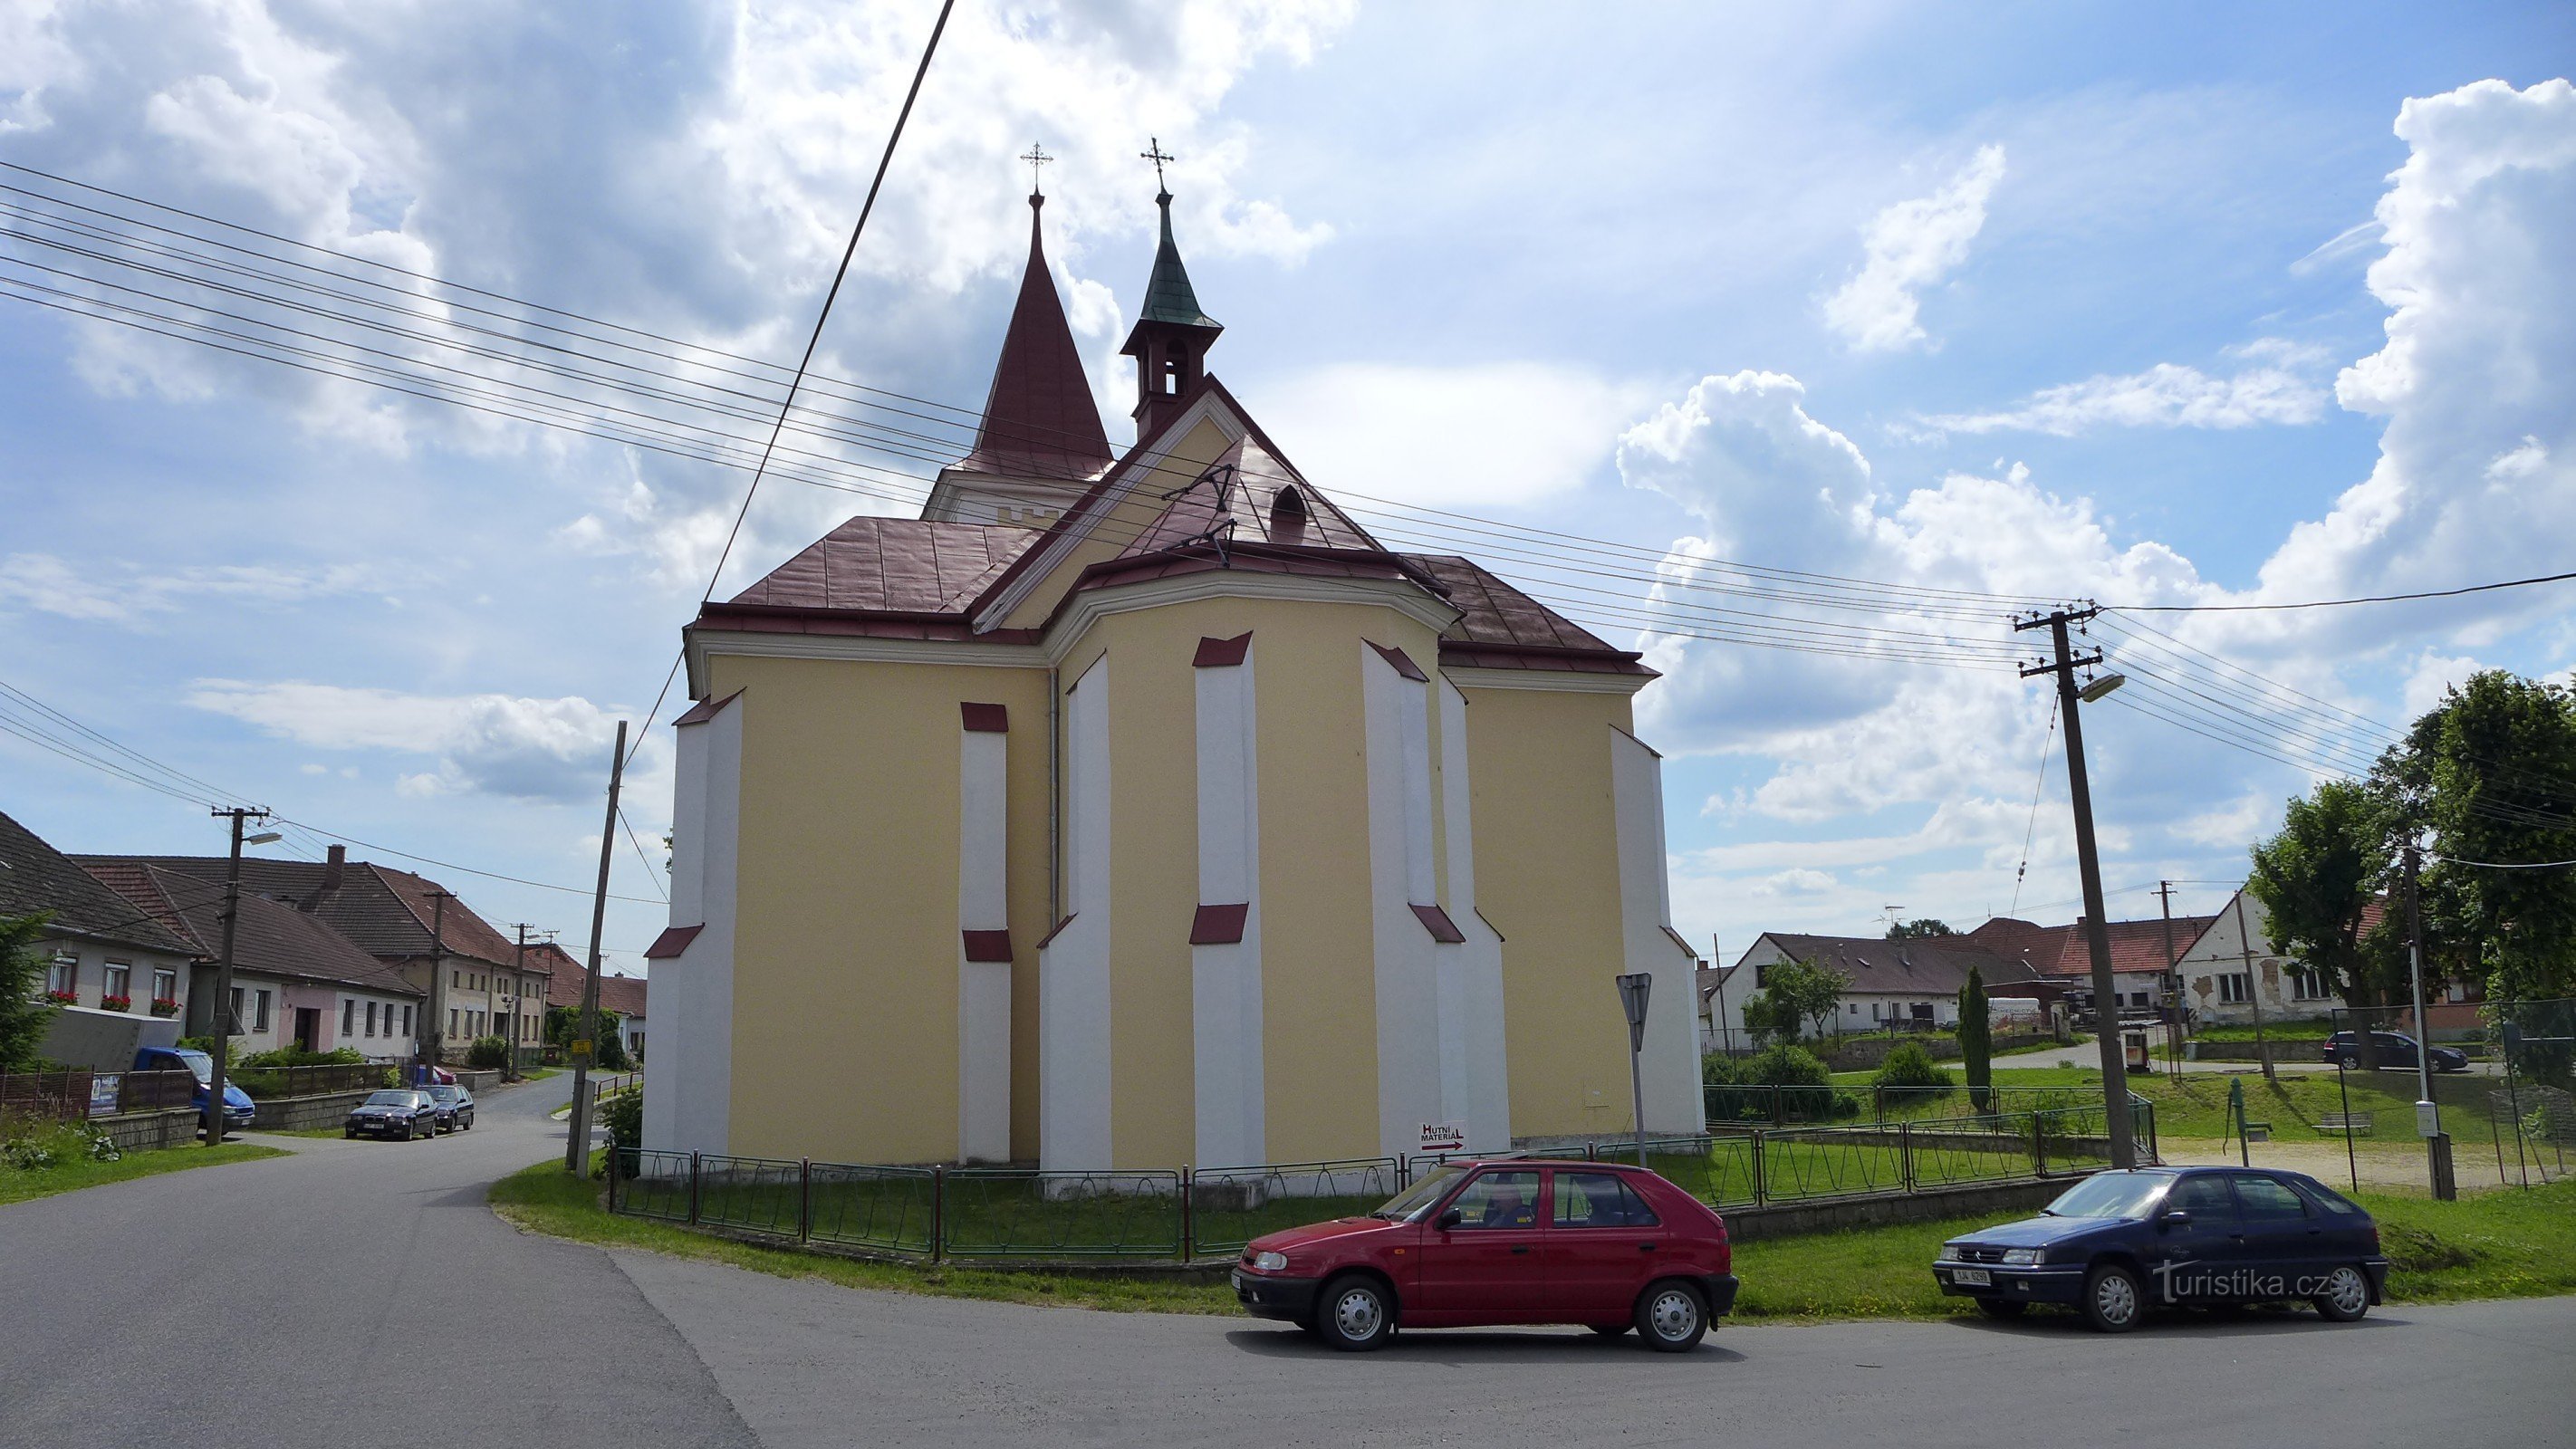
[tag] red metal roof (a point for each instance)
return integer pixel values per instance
(1040, 420)
(892, 565)
(2060, 951)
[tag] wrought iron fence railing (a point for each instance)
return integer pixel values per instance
(1210, 1214)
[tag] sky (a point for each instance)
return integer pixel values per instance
(2178, 305)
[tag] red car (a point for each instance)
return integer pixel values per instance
(1475, 1244)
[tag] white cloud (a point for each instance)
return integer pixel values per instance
(1795, 882)
(1490, 434)
(124, 593)
(1910, 246)
(2167, 395)
(496, 744)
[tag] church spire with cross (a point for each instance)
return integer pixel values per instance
(1171, 336)
(1041, 426)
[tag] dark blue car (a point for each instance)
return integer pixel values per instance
(2120, 1243)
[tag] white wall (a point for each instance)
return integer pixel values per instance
(1073, 969)
(2223, 951)
(1669, 1060)
(983, 987)
(688, 1096)
(1232, 1105)
(1475, 1081)
(1398, 734)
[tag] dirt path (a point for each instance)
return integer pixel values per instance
(2380, 1164)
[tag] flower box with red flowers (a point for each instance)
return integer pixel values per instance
(116, 1003)
(165, 1006)
(62, 998)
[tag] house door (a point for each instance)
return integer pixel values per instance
(308, 1028)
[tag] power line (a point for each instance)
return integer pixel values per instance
(2340, 603)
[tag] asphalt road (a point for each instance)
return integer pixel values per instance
(363, 1294)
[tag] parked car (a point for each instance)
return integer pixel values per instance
(399, 1112)
(456, 1107)
(116, 1041)
(2394, 1049)
(2119, 1243)
(1503, 1242)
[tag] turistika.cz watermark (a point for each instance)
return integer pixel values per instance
(2178, 1281)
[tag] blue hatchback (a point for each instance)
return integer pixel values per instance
(2120, 1243)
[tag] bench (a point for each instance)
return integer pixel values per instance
(2338, 1123)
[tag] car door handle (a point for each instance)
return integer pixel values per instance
(1519, 1249)
(1645, 1247)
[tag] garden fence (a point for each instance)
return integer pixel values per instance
(2510, 1108)
(1207, 1215)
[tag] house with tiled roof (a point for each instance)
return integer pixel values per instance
(1131, 809)
(623, 995)
(99, 950)
(296, 981)
(467, 973)
(2143, 954)
(1889, 985)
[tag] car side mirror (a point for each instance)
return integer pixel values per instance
(2178, 1218)
(1450, 1219)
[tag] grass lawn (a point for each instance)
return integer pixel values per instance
(2497, 1245)
(18, 1185)
(2194, 1104)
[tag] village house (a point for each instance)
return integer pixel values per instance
(623, 995)
(2142, 957)
(1909, 985)
(98, 949)
(296, 982)
(1141, 809)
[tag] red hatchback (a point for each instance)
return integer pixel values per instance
(1475, 1244)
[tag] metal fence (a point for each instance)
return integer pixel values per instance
(2502, 1085)
(1210, 1214)
(61, 1096)
(1821, 1105)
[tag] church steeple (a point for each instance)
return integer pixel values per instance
(1039, 420)
(1171, 336)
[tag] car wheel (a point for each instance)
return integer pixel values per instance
(1355, 1314)
(2112, 1302)
(349, 1134)
(2347, 1295)
(1609, 1330)
(1671, 1316)
(2001, 1307)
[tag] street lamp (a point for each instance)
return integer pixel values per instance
(1633, 991)
(2093, 692)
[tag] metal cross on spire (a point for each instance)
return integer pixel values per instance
(1155, 153)
(1036, 157)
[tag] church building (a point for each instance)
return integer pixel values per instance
(1133, 809)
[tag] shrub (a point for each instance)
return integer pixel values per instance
(622, 1113)
(270, 1061)
(1805, 1090)
(488, 1052)
(32, 1144)
(1717, 1069)
(1911, 1066)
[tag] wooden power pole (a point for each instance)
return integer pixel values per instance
(577, 1150)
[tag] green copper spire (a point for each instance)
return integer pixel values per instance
(1168, 294)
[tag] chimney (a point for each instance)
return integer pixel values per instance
(332, 868)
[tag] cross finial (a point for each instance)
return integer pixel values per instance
(1155, 153)
(1036, 158)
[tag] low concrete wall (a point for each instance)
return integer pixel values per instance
(1789, 1219)
(136, 1131)
(303, 1114)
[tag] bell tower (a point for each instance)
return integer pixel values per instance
(1172, 335)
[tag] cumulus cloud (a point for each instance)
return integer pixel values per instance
(1486, 434)
(494, 744)
(2167, 395)
(130, 594)
(1908, 247)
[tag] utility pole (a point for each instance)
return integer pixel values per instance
(518, 1000)
(577, 1150)
(222, 1016)
(2253, 988)
(2173, 978)
(438, 899)
(2428, 1112)
(2097, 932)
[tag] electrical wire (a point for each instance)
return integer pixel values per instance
(2340, 603)
(2030, 832)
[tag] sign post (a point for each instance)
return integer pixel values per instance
(1633, 990)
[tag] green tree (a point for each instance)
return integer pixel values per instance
(2318, 877)
(24, 1012)
(1793, 994)
(2490, 772)
(1921, 929)
(1976, 1039)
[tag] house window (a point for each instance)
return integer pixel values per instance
(236, 1013)
(165, 985)
(371, 1018)
(259, 1011)
(348, 1017)
(452, 1015)
(62, 974)
(406, 1021)
(2305, 985)
(2235, 988)
(119, 983)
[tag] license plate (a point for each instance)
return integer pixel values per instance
(1238, 1282)
(1972, 1277)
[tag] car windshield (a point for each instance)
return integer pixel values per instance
(1416, 1199)
(444, 1094)
(389, 1099)
(2110, 1195)
(199, 1063)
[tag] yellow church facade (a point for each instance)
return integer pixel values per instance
(1144, 810)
